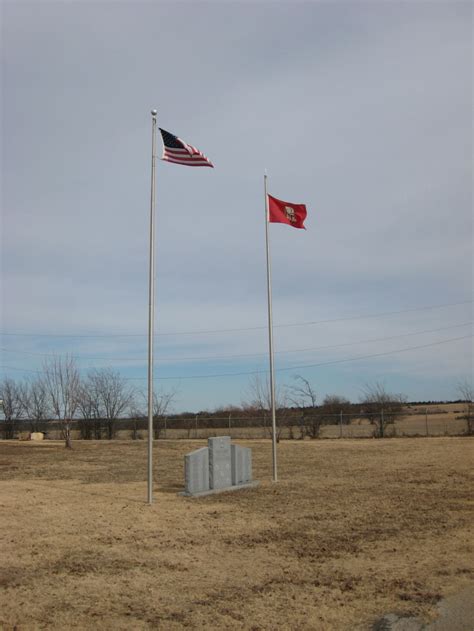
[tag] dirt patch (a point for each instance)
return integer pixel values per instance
(353, 530)
(455, 613)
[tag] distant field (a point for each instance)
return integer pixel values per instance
(430, 420)
(353, 529)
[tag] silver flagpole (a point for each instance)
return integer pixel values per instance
(151, 308)
(270, 334)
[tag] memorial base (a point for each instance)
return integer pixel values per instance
(236, 487)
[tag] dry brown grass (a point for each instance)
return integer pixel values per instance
(354, 529)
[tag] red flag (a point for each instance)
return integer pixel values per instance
(286, 212)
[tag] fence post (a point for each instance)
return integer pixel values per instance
(196, 426)
(340, 424)
(382, 426)
(426, 421)
(229, 419)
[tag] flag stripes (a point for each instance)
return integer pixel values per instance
(177, 151)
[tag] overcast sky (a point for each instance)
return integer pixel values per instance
(363, 111)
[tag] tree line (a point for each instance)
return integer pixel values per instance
(97, 402)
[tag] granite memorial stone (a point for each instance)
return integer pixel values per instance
(241, 464)
(218, 467)
(196, 471)
(220, 475)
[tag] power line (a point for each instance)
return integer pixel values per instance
(239, 355)
(257, 372)
(234, 330)
(400, 350)
(38, 372)
(336, 361)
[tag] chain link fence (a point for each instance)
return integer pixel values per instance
(290, 426)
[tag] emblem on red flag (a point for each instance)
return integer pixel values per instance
(285, 212)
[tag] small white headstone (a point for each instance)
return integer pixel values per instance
(36, 436)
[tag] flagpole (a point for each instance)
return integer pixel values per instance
(151, 308)
(270, 334)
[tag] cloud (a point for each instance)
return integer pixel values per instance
(361, 111)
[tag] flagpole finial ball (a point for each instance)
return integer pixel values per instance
(154, 112)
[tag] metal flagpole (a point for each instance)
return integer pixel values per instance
(151, 308)
(270, 334)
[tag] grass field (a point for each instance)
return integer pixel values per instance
(439, 419)
(353, 530)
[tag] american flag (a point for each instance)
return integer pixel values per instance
(179, 152)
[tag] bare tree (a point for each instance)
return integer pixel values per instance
(13, 398)
(113, 396)
(260, 401)
(382, 407)
(36, 404)
(162, 405)
(90, 424)
(303, 396)
(466, 391)
(331, 408)
(136, 416)
(62, 382)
